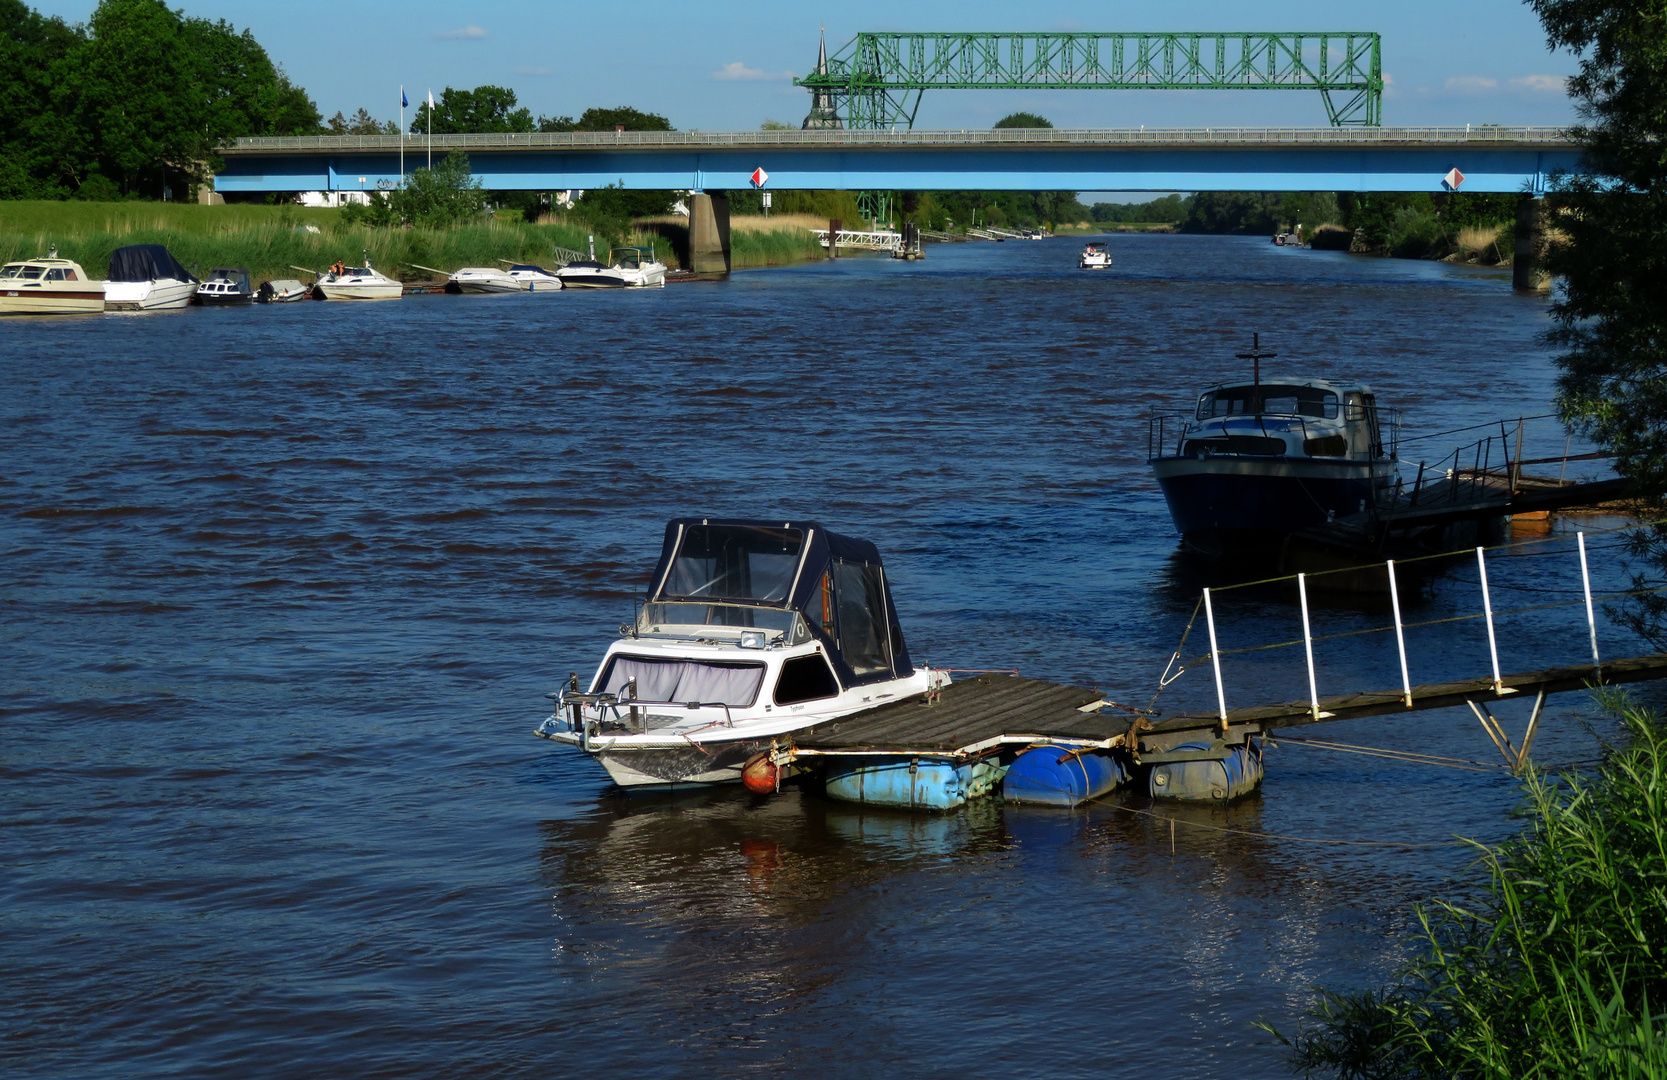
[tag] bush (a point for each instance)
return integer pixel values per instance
(1413, 233)
(1559, 969)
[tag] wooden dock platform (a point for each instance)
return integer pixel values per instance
(978, 717)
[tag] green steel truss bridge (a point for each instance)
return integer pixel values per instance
(876, 80)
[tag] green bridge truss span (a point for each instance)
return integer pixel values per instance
(876, 80)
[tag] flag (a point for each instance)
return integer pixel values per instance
(431, 100)
(402, 102)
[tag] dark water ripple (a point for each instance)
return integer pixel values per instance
(281, 589)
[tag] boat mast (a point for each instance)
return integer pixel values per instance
(1255, 356)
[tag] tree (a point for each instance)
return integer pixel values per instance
(1610, 315)
(433, 198)
(34, 137)
(1023, 120)
(360, 123)
(485, 109)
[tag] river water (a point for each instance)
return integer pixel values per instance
(283, 588)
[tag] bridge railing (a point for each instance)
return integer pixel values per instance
(649, 140)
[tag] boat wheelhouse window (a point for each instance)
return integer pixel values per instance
(863, 638)
(656, 616)
(11, 271)
(734, 562)
(1268, 398)
(805, 678)
(671, 680)
(55, 274)
(33, 273)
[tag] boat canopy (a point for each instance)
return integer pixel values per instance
(524, 268)
(737, 573)
(146, 262)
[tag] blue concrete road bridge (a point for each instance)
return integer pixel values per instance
(1492, 159)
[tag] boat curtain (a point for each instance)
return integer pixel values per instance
(735, 685)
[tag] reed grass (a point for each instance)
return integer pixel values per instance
(1556, 968)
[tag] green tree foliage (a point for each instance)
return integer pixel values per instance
(447, 194)
(1170, 208)
(134, 103)
(360, 123)
(1556, 969)
(1611, 312)
(1023, 120)
(607, 120)
(485, 109)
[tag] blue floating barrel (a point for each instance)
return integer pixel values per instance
(1237, 773)
(909, 783)
(1060, 776)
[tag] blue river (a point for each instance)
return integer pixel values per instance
(283, 588)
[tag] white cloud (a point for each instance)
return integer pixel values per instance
(457, 35)
(535, 71)
(1472, 84)
(1541, 84)
(739, 72)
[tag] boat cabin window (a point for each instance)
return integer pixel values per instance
(805, 678)
(682, 681)
(656, 618)
(11, 271)
(55, 274)
(31, 273)
(1268, 398)
(863, 630)
(734, 562)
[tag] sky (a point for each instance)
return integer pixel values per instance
(726, 66)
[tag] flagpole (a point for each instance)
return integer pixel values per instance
(402, 136)
(431, 131)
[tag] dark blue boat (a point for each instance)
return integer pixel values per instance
(1256, 462)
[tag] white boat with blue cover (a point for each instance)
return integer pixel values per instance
(1256, 462)
(752, 630)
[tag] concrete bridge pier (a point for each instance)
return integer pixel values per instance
(708, 233)
(1528, 261)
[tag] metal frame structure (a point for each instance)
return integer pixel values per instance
(871, 79)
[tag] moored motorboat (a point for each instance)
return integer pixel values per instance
(226, 285)
(48, 286)
(359, 283)
(626, 268)
(1256, 462)
(483, 279)
(534, 278)
(282, 291)
(752, 630)
(1096, 256)
(146, 277)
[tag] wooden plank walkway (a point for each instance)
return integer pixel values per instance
(977, 714)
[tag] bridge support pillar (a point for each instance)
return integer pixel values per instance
(708, 233)
(1528, 261)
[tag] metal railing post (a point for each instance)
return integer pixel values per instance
(1591, 620)
(1308, 646)
(1400, 637)
(1487, 606)
(1215, 658)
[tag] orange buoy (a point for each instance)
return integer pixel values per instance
(760, 774)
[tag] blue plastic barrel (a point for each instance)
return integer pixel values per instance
(910, 783)
(1060, 776)
(1209, 781)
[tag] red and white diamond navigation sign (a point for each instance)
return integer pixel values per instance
(760, 177)
(1453, 179)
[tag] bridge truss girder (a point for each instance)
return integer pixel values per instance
(876, 80)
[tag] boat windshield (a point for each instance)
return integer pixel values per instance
(1269, 398)
(662, 618)
(627, 258)
(22, 270)
(745, 563)
(675, 680)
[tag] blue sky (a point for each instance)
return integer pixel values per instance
(723, 66)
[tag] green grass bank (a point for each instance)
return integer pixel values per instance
(269, 240)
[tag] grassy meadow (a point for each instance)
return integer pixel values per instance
(270, 240)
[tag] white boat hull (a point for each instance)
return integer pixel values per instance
(23, 300)
(333, 291)
(167, 294)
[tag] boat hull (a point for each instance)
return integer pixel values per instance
(705, 764)
(26, 301)
(362, 292)
(485, 287)
(1248, 497)
(163, 295)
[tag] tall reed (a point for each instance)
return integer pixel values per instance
(1557, 968)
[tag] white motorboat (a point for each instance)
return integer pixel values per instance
(226, 285)
(146, 277)
(483, 279)
(533, 278)
(752, 630)
(282, 291)
(48, 286)
(359, 283)
(626, 268)
(1096, 256)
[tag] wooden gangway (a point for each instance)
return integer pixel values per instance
(981, 716)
